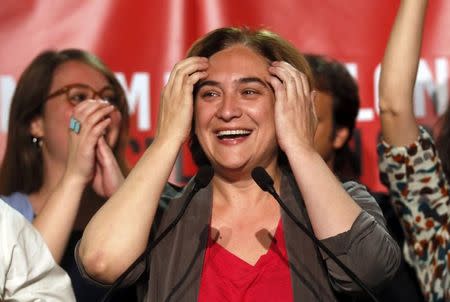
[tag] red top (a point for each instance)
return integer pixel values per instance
(226, 277)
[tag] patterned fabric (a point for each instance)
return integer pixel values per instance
(419, 191)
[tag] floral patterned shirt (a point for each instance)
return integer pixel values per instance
(420, 193)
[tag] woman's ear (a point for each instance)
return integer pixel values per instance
(37, 127)
(340, 137)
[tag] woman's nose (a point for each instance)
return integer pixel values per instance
(228, 108)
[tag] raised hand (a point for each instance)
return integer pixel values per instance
(176, 107)
(56, 220)
(108, 176)
(94, 118)
(141, 195)
(295, 118)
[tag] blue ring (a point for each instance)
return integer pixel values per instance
(74, 125)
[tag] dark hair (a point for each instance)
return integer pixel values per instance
(332, 77)
(265, 43)
(22, 167)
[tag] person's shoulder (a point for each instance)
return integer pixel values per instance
(352, 185)
(361, 195)
(20, 202)
(170, 191)
(15, 197)
(10, 220)
(24, 249)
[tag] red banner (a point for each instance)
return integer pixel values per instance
(141, 40)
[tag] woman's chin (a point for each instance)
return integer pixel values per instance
(232, 166)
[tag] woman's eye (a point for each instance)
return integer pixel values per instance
(249, 92)
(79, 97)
(209, 94)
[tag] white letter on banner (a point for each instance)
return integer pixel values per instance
(7, 87)
(441, 70)
(138, 96)
(425, 86)
(365, 114)
(352, 68)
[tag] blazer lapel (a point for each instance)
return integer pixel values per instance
(176, 264)
(309, 279)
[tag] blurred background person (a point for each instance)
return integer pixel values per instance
(412, 165)
(27, 269)
(337, 105)
(67, 135)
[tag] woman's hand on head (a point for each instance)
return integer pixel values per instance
(295, 117)
(177, 100)
(94, 118)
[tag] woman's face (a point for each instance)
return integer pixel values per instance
(53, 125)
(234, 111)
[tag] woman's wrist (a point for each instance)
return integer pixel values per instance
(300, 151)
(73, 181)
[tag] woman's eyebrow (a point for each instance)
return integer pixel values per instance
(252, 80)
(206, 83)
(238, 81)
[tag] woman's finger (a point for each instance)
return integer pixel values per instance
(278, 88)
(185, 68)
(290, 79)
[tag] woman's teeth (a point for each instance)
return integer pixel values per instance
(232, 133)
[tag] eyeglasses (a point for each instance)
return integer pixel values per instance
(77, 93)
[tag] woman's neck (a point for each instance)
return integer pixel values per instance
(241, 192)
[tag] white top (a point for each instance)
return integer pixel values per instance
(27, 269)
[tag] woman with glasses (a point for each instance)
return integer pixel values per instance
(65, 150)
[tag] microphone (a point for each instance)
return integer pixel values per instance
(203, 177)
(201, 180)
(265, 182)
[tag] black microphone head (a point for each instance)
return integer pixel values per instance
(204, 176)
(262, 178)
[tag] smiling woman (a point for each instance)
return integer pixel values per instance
(244, 100)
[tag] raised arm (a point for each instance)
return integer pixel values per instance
(336, 213)
(295, 122)
(398, 74)
(56, 219)
(118, 232)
